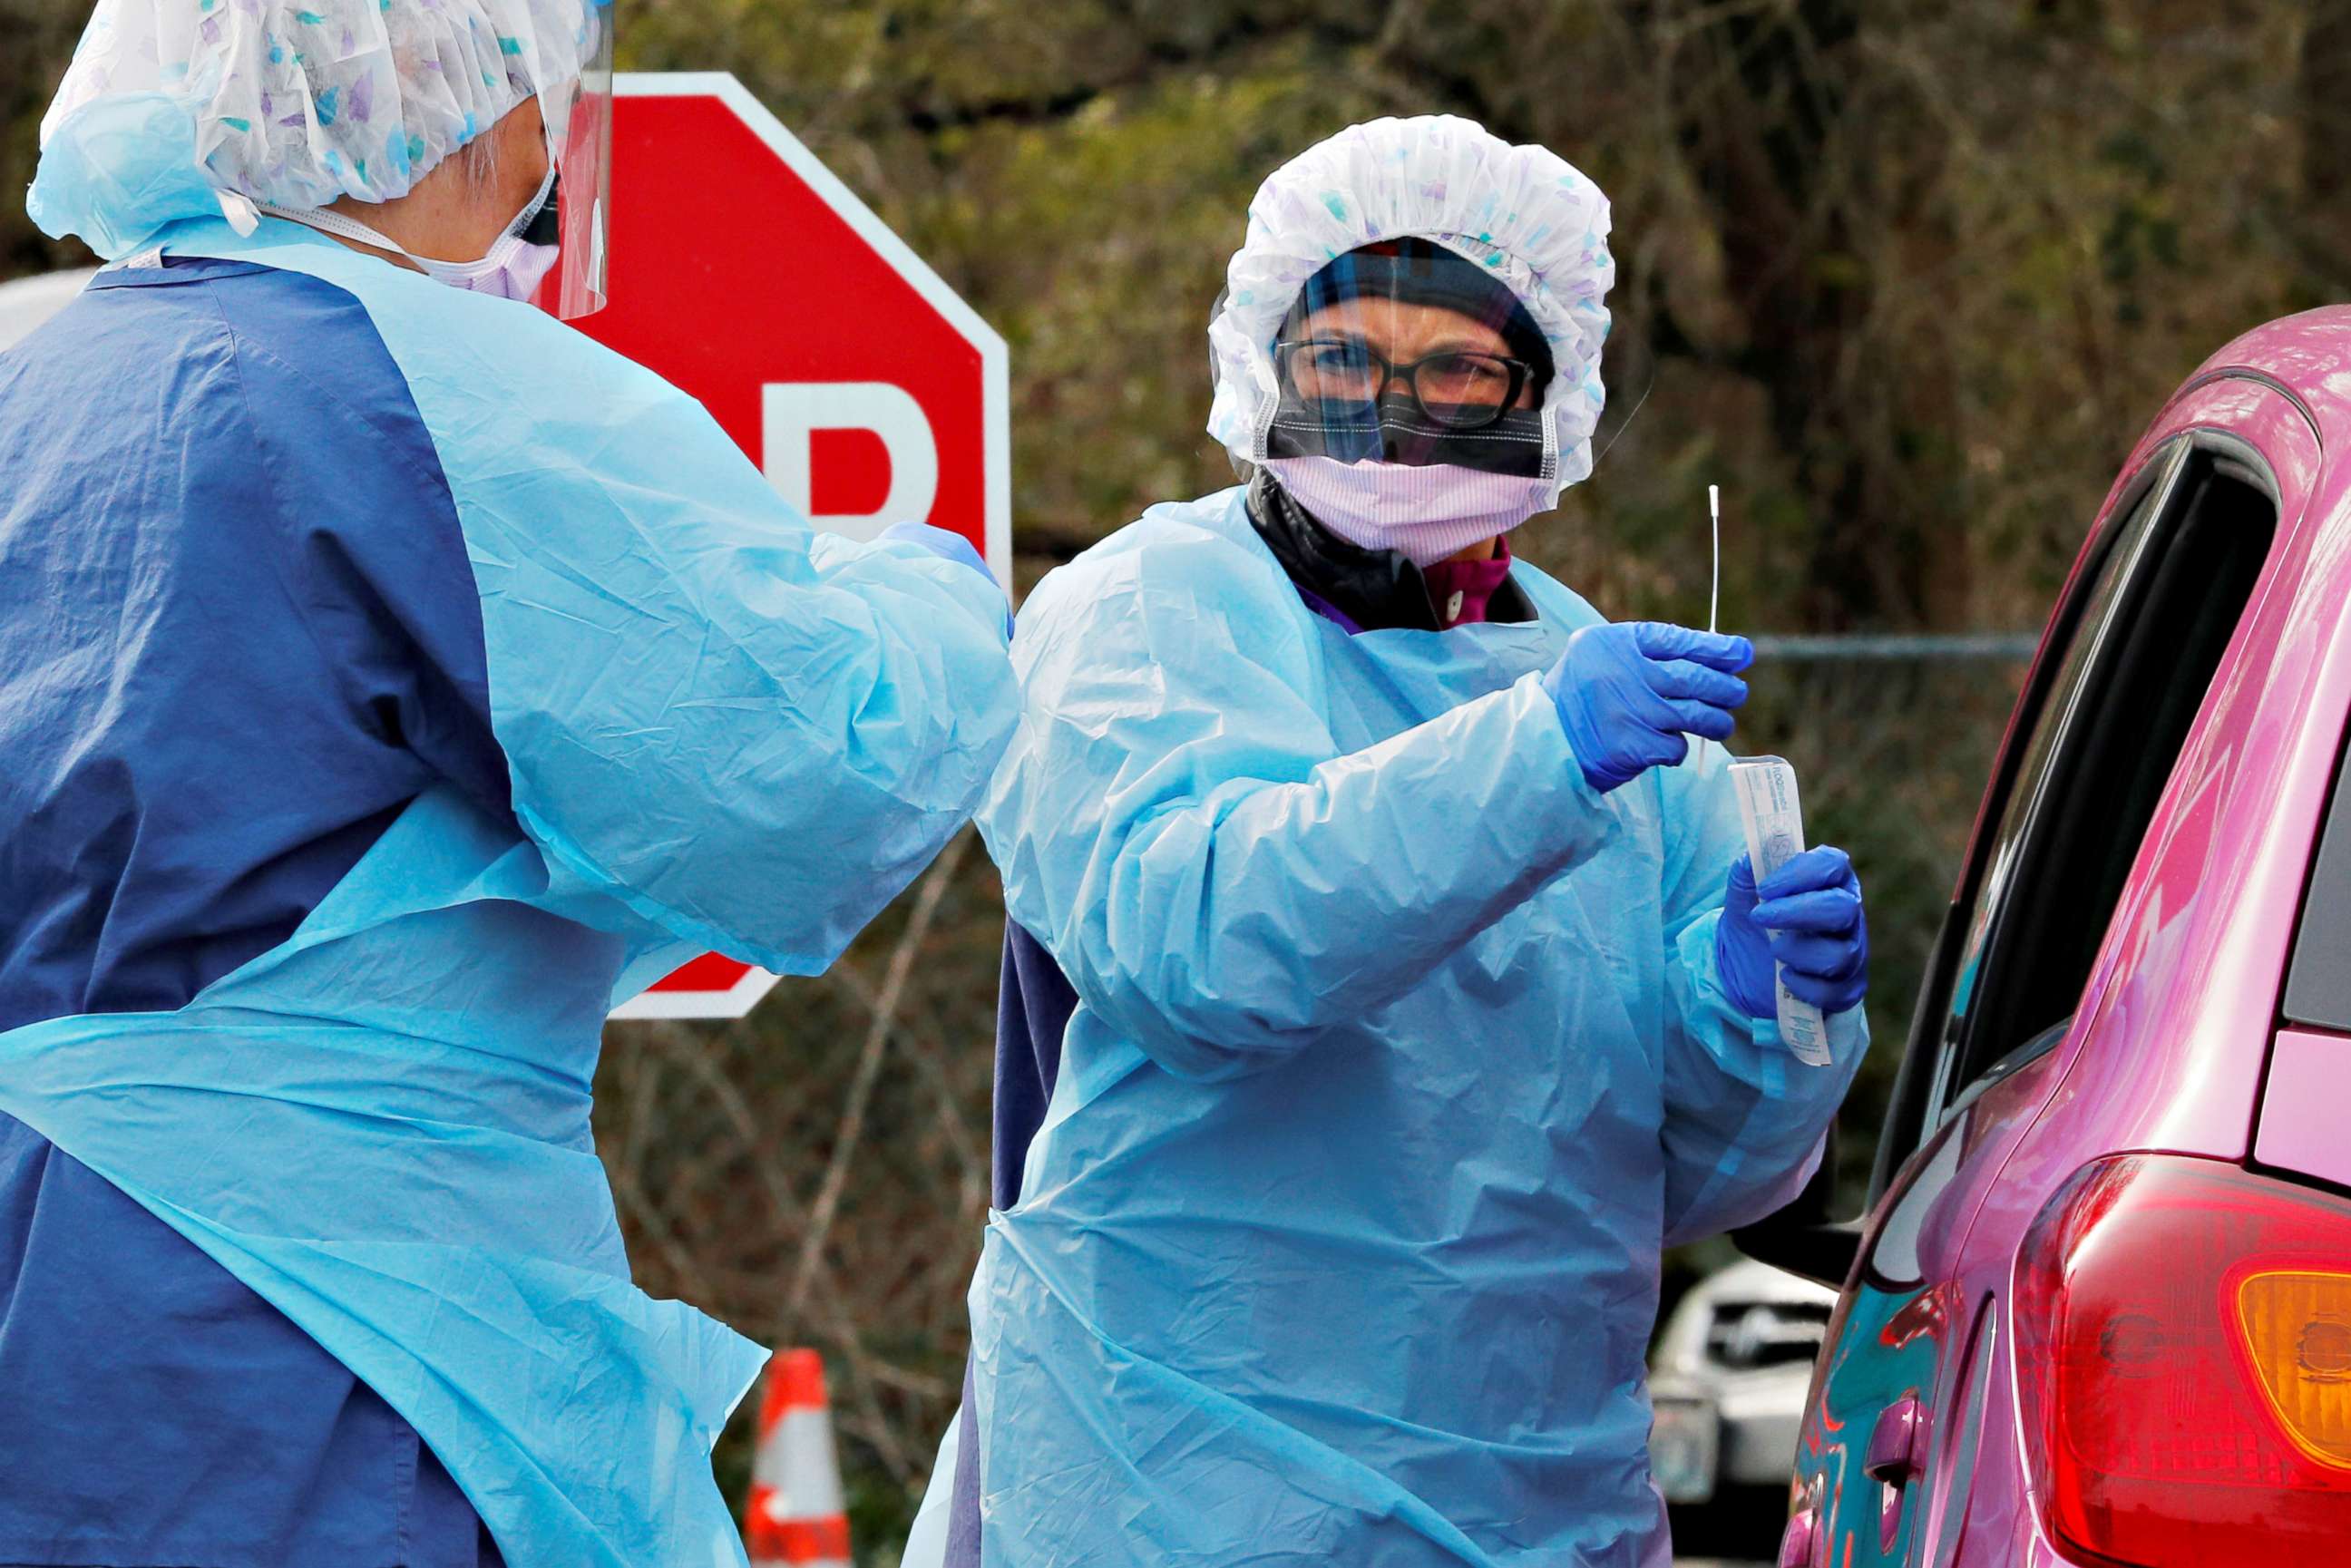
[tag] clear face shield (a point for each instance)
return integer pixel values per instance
(579, 117)
(1409, 353)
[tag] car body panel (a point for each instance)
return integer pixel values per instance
(1900, 1324)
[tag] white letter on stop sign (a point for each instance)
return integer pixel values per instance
(792, 412)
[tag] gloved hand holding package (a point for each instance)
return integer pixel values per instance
(1795, 945)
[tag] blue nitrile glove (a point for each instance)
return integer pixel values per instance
(946, 544)
(1809, 919)
(1630, 695)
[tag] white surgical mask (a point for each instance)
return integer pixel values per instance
(1425, 511)
(512, 268)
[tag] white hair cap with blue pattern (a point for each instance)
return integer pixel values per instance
(172, 106)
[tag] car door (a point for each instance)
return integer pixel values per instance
(1893, 1432)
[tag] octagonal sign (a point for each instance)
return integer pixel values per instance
(744, 272)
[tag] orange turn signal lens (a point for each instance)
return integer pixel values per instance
(2297, 1332)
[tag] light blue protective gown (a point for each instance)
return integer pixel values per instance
(721, 732)
(1399, 1054)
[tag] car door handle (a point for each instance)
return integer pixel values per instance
(1894, 1443)
(1895, 1459)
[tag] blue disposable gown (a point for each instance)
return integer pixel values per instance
(717, 731)
(1399, 1053)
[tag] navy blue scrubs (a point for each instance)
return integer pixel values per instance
(238, 632)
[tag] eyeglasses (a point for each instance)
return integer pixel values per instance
(1457, 389)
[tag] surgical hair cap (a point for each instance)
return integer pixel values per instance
(1527, 216)
(174, 108)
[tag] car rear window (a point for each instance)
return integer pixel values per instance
(2318, 986)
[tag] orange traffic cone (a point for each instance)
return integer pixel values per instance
(795, 1513)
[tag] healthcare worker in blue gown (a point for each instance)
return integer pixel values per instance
(390, 678)
(1387, 984)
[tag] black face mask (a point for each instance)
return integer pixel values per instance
(546, 226)
(1394, 430)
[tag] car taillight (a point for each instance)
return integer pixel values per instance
(2184, 1354)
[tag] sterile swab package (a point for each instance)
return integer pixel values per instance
(1774, 819)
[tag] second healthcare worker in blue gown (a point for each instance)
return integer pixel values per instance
(390, 678)
(1413, 989)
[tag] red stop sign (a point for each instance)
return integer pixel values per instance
(744, 272)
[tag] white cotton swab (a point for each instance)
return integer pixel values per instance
(1714, 518)
(1714, 595)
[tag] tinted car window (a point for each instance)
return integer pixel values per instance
(1925, 1089)
(2318, 986)
(2167, 597)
